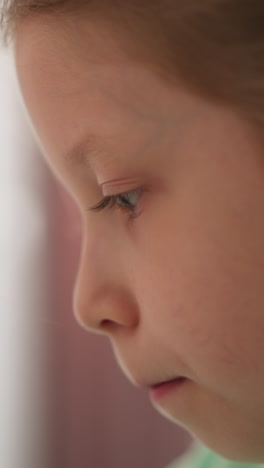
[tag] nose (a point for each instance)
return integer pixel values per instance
(102, 302)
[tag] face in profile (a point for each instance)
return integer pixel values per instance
(173, 272)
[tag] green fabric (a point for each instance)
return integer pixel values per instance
(199, 456)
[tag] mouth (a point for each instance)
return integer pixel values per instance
(160, 390)
(156, 384)
(166, 382)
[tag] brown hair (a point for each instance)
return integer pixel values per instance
(214, 47)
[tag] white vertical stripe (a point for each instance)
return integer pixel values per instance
(23, 425)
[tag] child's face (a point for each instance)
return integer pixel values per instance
(179, 290)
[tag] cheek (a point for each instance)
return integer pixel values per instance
(205, 307)
(219, 329)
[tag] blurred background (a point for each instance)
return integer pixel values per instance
(64, 402)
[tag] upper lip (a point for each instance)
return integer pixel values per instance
(151, 384)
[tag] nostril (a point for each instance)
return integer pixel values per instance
(107, 324)
(109, 327)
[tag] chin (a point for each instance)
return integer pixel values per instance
(236, 443)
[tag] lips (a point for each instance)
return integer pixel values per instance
(161, 390)
(156, 384)
(177, 379)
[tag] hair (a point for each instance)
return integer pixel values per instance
(214, 47)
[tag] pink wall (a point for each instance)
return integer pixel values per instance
(97, 418)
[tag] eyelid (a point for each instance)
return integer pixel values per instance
(110, 202)
(118, 183)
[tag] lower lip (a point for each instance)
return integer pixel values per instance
(163, 389)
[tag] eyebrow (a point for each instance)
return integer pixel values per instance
(83, 153)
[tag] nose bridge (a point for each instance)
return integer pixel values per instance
(98, 257)
(101, 298)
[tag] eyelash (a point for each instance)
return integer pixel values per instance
(111, 202)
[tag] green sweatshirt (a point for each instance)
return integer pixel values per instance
(199, 456)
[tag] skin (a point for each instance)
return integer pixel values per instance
(179, 289)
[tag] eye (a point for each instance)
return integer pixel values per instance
(122, 201)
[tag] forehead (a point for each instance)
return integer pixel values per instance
(82, 53)
(83, 56)
(83, 95)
